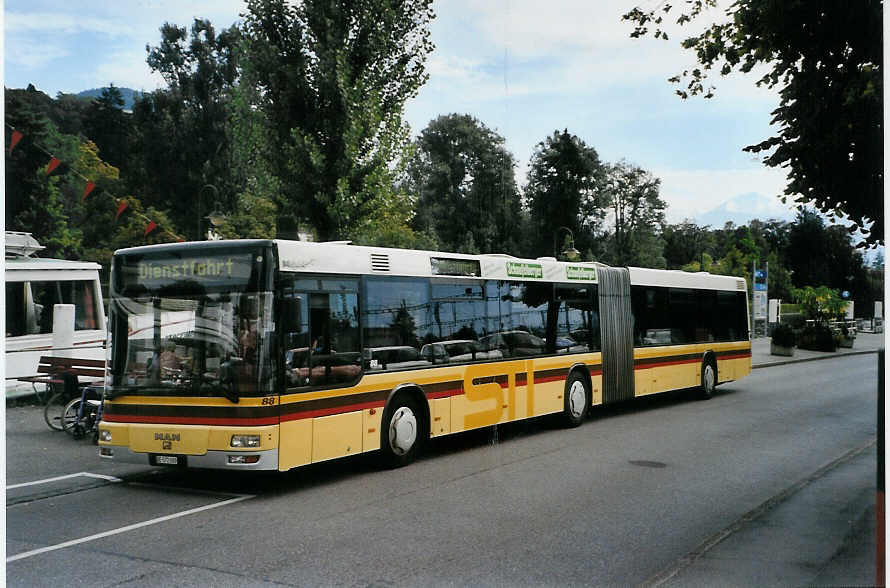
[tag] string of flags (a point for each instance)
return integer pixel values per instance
(54, 162)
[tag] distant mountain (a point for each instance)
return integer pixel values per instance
(743, 208)
(128, 94)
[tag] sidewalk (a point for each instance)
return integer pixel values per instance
(819, 532)
(760, 355)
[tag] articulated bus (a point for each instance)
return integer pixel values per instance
(272, 354)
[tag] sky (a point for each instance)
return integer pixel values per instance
(524, 68)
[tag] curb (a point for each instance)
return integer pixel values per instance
(787, 361)
(757, 512)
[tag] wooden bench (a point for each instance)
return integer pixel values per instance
(52, 370)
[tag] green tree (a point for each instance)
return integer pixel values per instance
(636, 213)
(185, 131)
(467, 198)
(331, 79)
(106, 125)
(826, 60)
(35, 201)
(565, 189)
(686, 243)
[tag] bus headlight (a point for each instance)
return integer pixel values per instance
(104, 435)
(245, 441)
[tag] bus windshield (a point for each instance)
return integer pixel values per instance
(207, 346)
(194, 324)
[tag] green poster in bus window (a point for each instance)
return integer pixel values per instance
(581, 272)
(516, 269)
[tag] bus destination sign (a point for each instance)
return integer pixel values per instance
(203, 271)
(581, 272)
(517, 269)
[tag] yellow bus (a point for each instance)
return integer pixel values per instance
(273, 354)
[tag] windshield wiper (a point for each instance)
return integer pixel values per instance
(229, 380)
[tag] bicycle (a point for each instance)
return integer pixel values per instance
(82, 415)
(56, 402)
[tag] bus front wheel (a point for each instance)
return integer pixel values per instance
(708, 378)
(401, 433)
(576, 400)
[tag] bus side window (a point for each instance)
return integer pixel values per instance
(295, 326)
(335, 355)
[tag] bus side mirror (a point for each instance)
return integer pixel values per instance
(291, 314)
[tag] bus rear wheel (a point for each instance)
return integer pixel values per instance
(708, 378)
(576, 400)
(401, 433)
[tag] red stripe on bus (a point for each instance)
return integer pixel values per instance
(646, 366)
(308, 414)
(736, 356)
(445, 393)
(550, 379)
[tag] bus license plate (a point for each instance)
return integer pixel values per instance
(167, 459)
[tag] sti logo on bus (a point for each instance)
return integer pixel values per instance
(495, 401)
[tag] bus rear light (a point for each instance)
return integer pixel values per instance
(241, 459)
(245, 441)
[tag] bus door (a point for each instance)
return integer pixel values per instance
(320, 339)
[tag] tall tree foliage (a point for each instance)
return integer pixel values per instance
(636, 213)
(184, 131)
(565, 189)
(826, 59)
(332, 79)
(467, 196)
(108, 127)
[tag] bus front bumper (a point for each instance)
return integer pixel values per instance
(237, 460)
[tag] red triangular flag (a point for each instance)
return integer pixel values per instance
(53, 164)
(14, 140)
(122, 207)
(87, 190)
(151, 226)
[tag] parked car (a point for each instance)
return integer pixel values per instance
(514, 343)
(329, 367)
(569, 345)
(394, 357)
(456, 351)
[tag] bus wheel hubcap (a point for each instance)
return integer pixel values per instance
(577, 399)
(402, 430)
(709, 378)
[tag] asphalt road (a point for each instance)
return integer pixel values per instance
(616, 501)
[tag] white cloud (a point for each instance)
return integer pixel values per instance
(572, 45)
(32, 22)
(29, 54)
(690, 193)
(126, 69)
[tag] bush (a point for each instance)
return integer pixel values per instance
(794, 320)
(783, 336)
(817, 338)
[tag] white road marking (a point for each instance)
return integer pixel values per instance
(57, 478)
(132, 527)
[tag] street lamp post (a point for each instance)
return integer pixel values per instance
(213, 214)
(571, 253)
